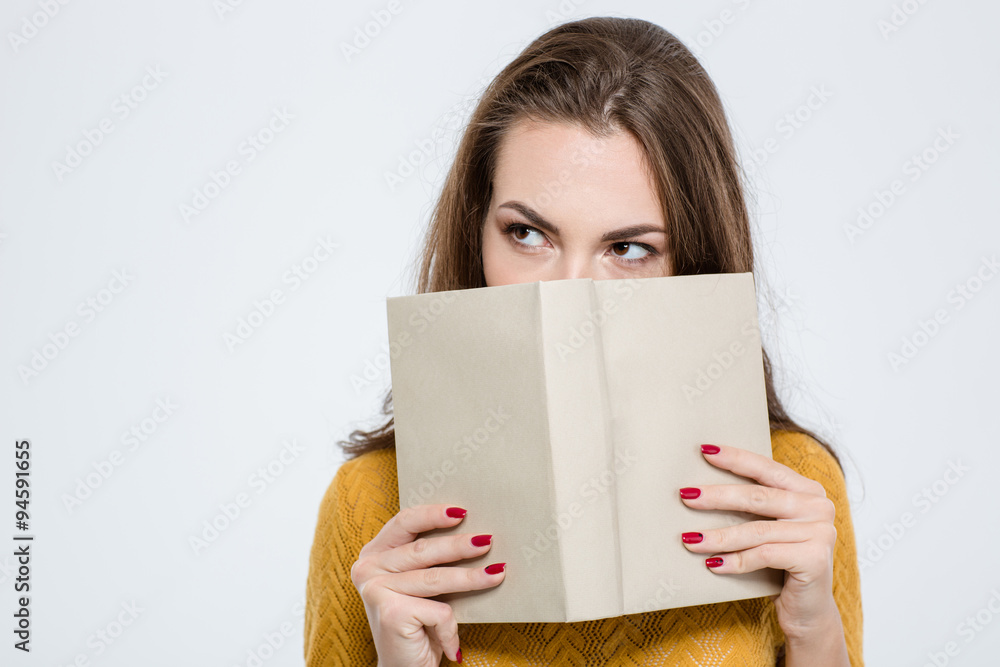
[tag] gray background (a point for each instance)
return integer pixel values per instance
(842, 305)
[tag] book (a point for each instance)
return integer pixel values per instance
(565, 416)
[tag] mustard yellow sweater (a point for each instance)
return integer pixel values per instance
(364, 495)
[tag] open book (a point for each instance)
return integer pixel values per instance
(565, 416)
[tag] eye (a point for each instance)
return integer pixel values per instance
(525, 235)
(630, 252)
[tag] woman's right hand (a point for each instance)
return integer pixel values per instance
(395, 572)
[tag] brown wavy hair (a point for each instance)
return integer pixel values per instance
(607, 75)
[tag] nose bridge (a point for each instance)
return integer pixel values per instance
(574, 264)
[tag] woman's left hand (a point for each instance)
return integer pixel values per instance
(801, 541)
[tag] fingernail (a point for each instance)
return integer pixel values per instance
(455, 512)
(458, 655)
(692, 538)
(481, 540)
(709, 449)
(713, 562)
(496, 568)
(690, 492)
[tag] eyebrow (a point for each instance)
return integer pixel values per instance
(615, 235)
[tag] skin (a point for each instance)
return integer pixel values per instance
(561, 199)
(597, 186)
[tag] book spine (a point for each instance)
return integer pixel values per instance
(584, 518)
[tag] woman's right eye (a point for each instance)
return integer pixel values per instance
(525, 235)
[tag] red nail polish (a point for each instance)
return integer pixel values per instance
(458, 655)
(455, 512)
(709, 449)
(713, 562)
(496, 568)
(481, 540)
(692, 538)
(690, 493)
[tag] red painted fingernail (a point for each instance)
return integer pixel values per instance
(458, 655)
(692, 538)
(455, 512)
(690, 493)
(481, 540)
(713, 562)
(496, 568)
(709, 449)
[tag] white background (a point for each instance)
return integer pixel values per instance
(843, 304)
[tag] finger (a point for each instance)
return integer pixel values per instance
(409, 615)
(439, 580)
(762, 469)
(806, 561)
(760, 500)
(425, 552)
(441, 627)
(410, 522)
(755, 533)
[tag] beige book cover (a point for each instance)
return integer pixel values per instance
(565, 416)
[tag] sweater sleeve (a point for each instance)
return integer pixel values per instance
(810, 459)
(336, 625)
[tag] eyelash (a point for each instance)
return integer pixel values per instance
(508, 230)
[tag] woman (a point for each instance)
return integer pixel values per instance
(602, 151)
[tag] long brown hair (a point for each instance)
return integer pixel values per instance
(607, 75)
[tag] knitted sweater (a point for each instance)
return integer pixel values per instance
(364, 495)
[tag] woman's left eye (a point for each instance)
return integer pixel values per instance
(630, 252)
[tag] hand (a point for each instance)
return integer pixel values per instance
(800, 542)
(395, 572)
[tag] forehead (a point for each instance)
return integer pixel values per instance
(562, 168)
